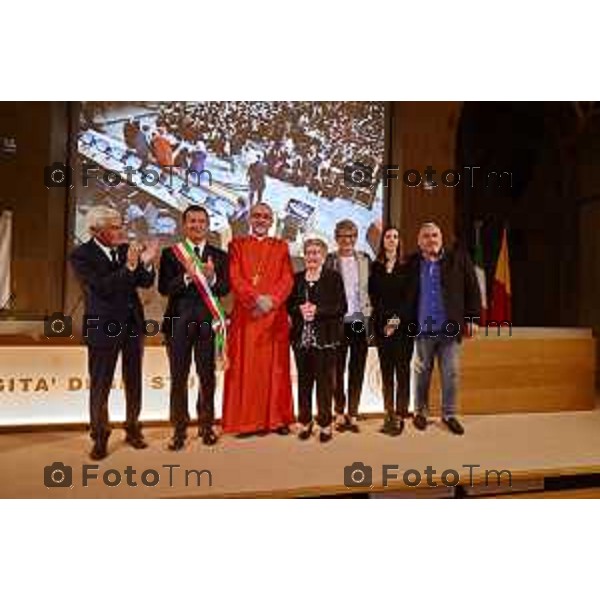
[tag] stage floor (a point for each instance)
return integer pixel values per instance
(530, 446)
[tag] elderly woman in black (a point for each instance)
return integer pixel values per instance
(317, 306)
(389, 292)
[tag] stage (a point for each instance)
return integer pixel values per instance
(528, 400)
(533, 447)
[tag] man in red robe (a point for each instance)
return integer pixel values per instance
(258, 391)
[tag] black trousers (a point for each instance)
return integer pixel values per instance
(102, 361)
(394, 360)
(315, 365)
(357, 346)
(201, 343)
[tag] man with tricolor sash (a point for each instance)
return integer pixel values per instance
(194, 276)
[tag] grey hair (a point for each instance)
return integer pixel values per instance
(98, 218)
(345, 225)
(264, 204)
(430, 225)
(318, 242)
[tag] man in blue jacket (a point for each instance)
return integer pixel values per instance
(445, 297)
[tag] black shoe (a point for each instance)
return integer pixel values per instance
(177, 443)
(420, 421)
(453, 424)
(325, 436)
(245, 435)
(283, 430)
(353, 427)
(388, 426)
(306, 433)
(136, 441)
(398, 426)
(209, 437)
(341, 427)
(99, 451)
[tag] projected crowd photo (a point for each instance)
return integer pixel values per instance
(226, 156)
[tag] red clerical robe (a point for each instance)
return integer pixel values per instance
(258, 391)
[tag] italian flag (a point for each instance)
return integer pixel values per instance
(500, 305)
(480, 273)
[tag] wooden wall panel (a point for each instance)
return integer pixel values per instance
(38, 212)
(422, 134)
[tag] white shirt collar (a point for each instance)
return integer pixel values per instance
(199, 245)
(354, 255)
(106, 249)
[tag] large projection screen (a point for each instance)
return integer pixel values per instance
(296, 155)
(151, 160)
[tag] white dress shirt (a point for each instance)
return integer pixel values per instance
(349, 271)
(108, 251)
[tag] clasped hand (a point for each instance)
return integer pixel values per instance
(264, 304)
(308, 310)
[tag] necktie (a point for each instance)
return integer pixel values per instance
(114, 257)
(197, 252)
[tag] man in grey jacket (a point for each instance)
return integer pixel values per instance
(354, 268)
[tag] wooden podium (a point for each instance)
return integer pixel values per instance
(533, 370)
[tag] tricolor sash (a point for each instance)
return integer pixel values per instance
(184, 253)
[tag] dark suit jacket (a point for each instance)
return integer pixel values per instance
(184, 300)
(460, 288)
(110, 293)
(330, 298)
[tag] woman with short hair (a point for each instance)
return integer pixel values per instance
(317, 306)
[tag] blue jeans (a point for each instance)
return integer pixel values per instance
(426, 349)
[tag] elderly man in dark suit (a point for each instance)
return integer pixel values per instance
(194, 275)
(110, 271)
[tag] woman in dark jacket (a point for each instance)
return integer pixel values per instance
(389, 284)
(317, 306)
